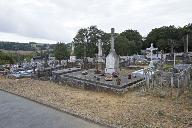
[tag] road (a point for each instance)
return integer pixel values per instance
(18, 112)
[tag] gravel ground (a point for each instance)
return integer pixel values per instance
(128, 110)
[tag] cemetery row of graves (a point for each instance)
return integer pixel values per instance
(113, 72)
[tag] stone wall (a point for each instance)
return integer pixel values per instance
(96, 85)
(46, 72)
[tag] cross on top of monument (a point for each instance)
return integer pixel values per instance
(112, 38)
(99, 42)
(152, 48)
(112, 31)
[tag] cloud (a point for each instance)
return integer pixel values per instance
(60, 20)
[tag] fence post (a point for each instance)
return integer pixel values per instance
(189, 77)
(178, 87)
(147, 81)
(161, 79)
(172, 83)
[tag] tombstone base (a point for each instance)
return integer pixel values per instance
(72, 59)
(111, 70)
(151, 65)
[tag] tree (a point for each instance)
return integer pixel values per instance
(128, 42)
(121, 45)
(133, 35)
(105, 38)
(15, 46)
(79, 50)
(187, 30)
(164, 37)
(61, 51)
(86, 40)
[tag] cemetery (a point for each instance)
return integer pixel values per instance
(111, 72)
(96, 64)
(95, 78)
(93, 88)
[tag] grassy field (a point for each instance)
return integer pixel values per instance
(129, 110)
(18, 52)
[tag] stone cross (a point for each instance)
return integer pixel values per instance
(100, 53)
(151, 49)
(112, 38)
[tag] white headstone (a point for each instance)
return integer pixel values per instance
(112, 59)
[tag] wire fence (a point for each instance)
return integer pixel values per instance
(162, 83)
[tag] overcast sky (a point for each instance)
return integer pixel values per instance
(59, 20)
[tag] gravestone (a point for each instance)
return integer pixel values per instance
(112, 59)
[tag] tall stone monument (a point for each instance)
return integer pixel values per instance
(72, 56)
(151, 49)
(112, 59)
(100, 52)
(100, 61)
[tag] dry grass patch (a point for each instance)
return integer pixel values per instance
(128, 110)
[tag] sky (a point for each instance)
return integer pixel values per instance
(50, 21)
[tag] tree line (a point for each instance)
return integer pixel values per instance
(14, 46)
(128, 42)
(31, 46)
